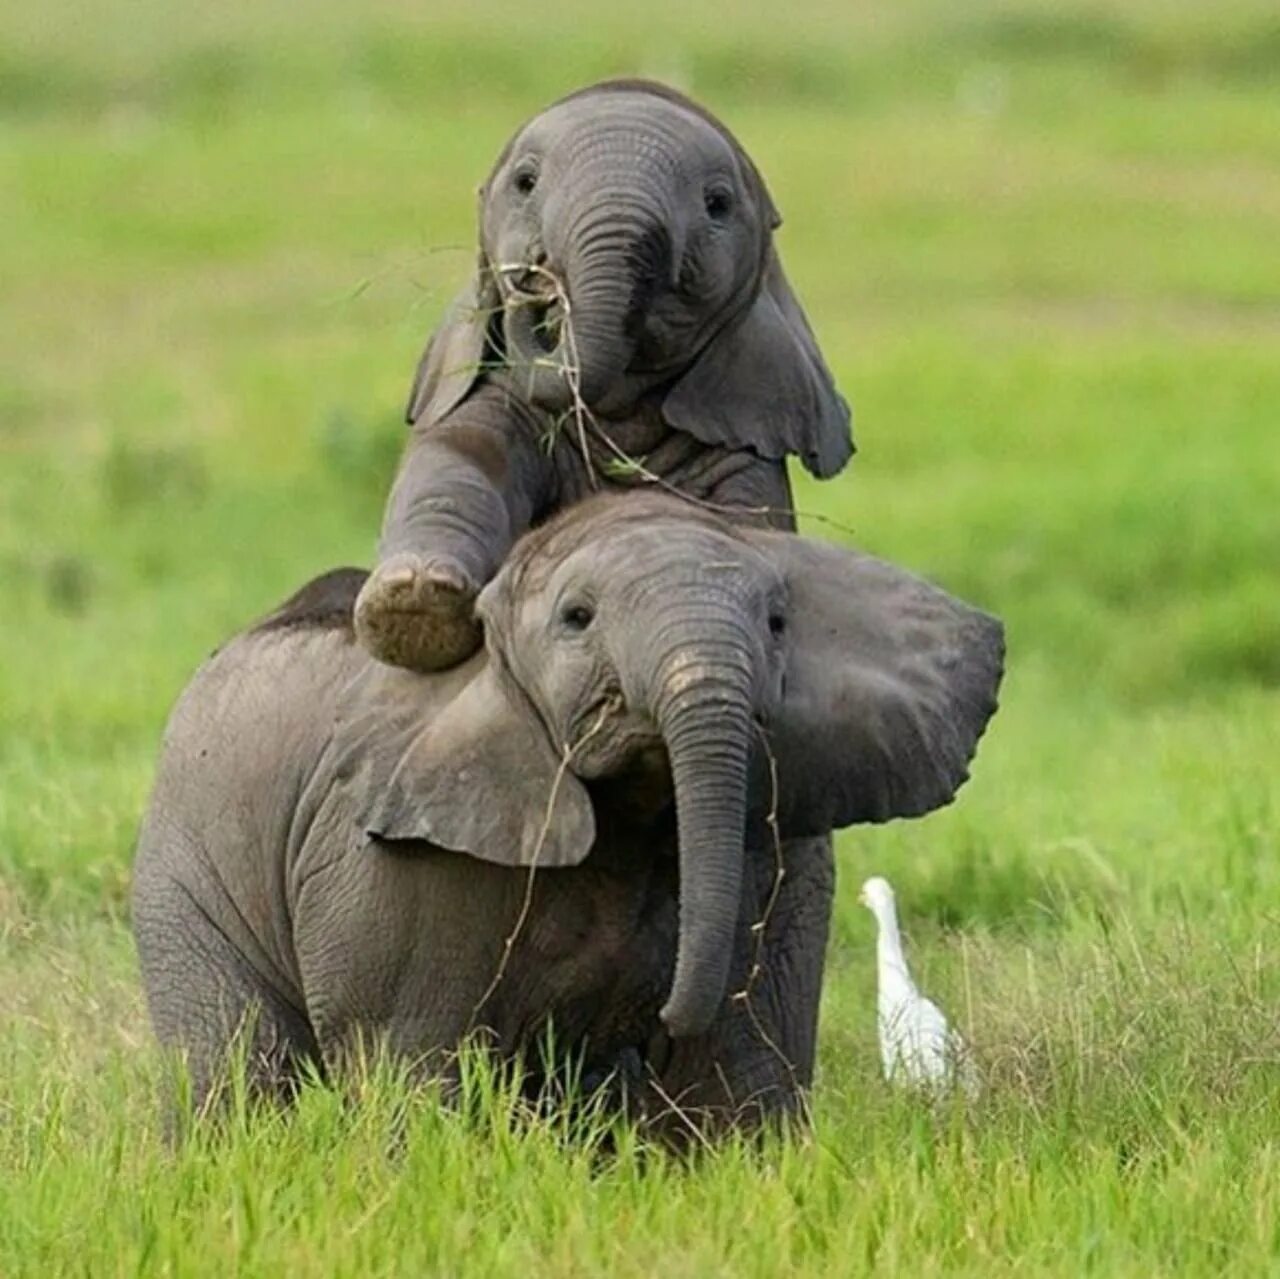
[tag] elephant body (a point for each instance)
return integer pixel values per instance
(629, 321)
(613, 821)
(260, 903)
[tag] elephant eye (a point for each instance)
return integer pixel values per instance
(718, 203)
(576, 617)
(777, 624)
(526, 179)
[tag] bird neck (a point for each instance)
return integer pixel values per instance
(892, 963)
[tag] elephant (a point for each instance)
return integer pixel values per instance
(629, 321)
(613, 820)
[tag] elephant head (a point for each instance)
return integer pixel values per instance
(638, 628)
(626, 246)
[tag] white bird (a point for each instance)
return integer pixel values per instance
(917, 1046)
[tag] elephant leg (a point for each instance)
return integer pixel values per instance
(756, 1064)
(396, 951)
(208, 1004)
(468, 487)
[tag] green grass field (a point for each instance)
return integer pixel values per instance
(1039, 244)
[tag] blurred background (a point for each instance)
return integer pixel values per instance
(1038, 243)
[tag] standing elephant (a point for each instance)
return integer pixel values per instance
(628, 308)
(337, 850)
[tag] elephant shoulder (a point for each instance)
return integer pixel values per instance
(290, 662)
(254, 722)
(273, 683)
(293, 657)
(324, 604)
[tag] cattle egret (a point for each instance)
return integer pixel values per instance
(917, 1046)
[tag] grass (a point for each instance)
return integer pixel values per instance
(1037, 242)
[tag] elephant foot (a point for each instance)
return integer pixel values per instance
(418, 613)
(619, 1080)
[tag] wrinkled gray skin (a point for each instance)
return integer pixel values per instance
(626, 249)
(340, 848)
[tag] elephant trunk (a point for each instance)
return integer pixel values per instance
(703, 710)
(611, 261)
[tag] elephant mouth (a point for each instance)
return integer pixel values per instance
(539, 297)
(546, 325)
(607, 736)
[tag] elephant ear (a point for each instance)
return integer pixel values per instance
(888, 684)
(762, 384)
(456, 352)
(460, 761)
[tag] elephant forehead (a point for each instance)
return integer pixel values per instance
(612, 538)
(635, 111)
(663, 555)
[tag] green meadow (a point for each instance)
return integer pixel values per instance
(1040, 244)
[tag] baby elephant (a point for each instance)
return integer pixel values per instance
(337, 851)
(629, 318)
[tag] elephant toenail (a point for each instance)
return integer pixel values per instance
(399, 579)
